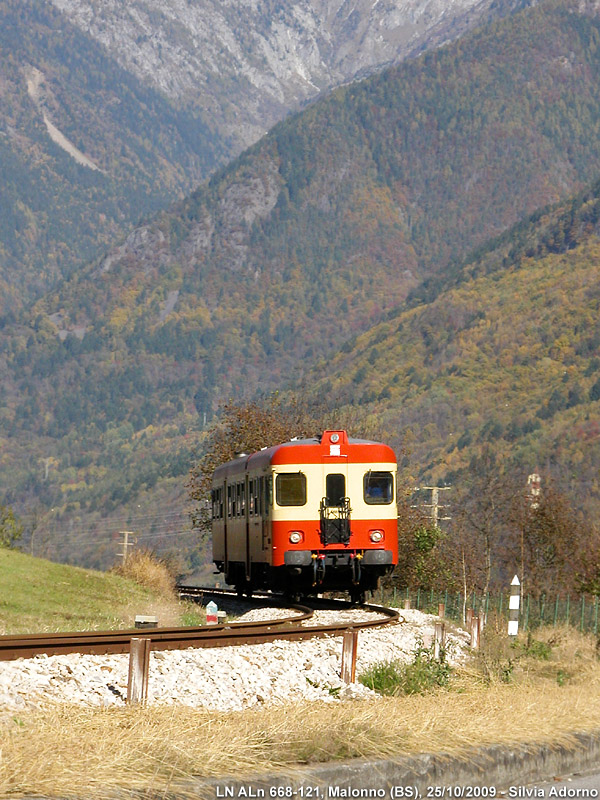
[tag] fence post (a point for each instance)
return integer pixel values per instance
(139, 664)
(349, 648)
(469, 618)
(441, 610)
(439, 640)
(475, 631)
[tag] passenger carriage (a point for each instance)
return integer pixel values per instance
(307, 516)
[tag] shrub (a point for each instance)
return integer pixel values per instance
(421, 675)
(145, 568)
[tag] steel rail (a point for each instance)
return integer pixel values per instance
(227, 634)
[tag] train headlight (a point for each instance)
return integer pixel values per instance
(376, 536)
(295, 537)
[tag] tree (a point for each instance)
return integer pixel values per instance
(422, 551)
(482, 531)
(245, 428)
(561, 550)
(11, 529)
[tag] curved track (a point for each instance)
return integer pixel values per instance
(227, 634)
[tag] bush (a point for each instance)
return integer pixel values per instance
(421, 675)
(145, 568)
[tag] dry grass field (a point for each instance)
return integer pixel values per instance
(543, 689)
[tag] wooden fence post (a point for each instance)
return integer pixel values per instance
(139, 664)
(439, 640)
(349, 648)
(475, 632)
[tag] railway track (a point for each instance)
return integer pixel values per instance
(223, 635)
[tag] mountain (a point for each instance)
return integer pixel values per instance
(308, 239)
(504, 354)
(248, 64)
(86, 150)
(112, 111)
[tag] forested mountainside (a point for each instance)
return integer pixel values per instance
(86, 150)
(504, 355)
(306, 240)
(248, 64)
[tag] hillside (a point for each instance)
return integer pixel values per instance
(86, 150)
(311, 237)
(39, 596)
(505, 355)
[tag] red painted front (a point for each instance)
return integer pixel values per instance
(359, 539)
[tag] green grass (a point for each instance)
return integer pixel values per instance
(40, 596)
(423, 674)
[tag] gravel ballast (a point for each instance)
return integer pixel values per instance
(224, 678)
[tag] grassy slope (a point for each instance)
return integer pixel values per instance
(38, 596)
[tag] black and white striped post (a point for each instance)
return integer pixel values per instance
(513, 607)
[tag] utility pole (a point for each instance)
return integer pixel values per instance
(126, 544)
(435, 504)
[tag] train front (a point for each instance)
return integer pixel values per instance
(334, 515)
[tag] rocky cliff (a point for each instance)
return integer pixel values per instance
(248, 63)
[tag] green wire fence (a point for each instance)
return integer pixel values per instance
(581, 611)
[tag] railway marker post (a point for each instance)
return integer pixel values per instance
(212, 613)
(349, 648)
(513, 607)
(139, 665)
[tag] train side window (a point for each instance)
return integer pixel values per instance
(256, 497)
(268, 494)
(251, 497)
(290, 489)
(335, 489)
(220, 502)
(229, 501)
(378, 488)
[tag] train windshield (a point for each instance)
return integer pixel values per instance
(335, 489)
(378, 488)
(290, 489)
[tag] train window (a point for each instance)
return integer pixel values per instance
(241, 500)
(268, 494)
(256, 497)
(290, 489)
(335, 489)
(230, 501)
(251, 497)
(379, 488)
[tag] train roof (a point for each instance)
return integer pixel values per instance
(331, 447)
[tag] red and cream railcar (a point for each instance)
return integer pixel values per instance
(310, 515)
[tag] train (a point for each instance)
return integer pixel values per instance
(307, 516)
